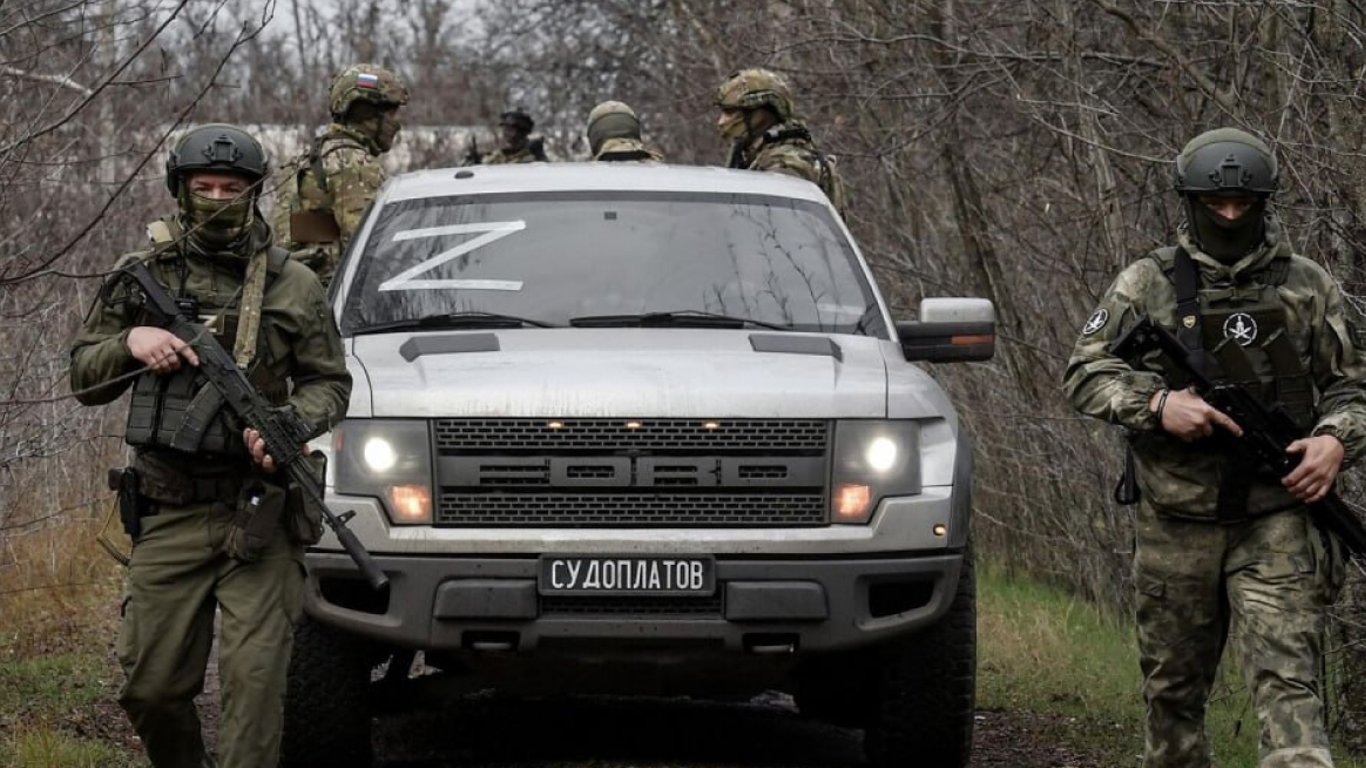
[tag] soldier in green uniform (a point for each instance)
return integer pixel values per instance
(758, 117)
(515, 126)
(614, 134)
(1219, 539)
(194, 478)
(324, 192)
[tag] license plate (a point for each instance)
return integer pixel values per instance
(627, 575)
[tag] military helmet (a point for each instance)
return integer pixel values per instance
(365, 82)
(754, 88)
(216, 147)
(519, 118)
(611, 120)
(1226, 161)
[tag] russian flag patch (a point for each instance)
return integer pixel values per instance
(367, 80)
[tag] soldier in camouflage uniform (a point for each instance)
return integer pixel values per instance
(324, 192)
(1221, 541)
(195, 478)
(515, 126)
(614, 134)
(758, 117)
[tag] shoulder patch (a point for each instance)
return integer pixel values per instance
(1098, 320)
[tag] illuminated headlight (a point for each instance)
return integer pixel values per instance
(390, 460)
(873, 460)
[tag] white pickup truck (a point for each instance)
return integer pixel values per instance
(644, 430)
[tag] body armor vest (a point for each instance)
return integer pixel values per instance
(182, 412)
(1239, 333)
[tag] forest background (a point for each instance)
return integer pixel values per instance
(1014, 149)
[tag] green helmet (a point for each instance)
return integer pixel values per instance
(1226, 161)
(750, 89)
(611, 120)
(216, 147)
(519, 118)
(365, 82)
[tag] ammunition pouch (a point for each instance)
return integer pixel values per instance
(182, 412)
(260, 507)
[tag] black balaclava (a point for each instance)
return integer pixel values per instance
(1227, 240)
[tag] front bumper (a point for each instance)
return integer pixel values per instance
(491, 602)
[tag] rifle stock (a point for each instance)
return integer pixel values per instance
(1266, 431)
(283, 431)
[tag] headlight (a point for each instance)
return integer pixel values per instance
(873, 460)
(390, 460)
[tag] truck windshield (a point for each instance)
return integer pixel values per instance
(554, 257)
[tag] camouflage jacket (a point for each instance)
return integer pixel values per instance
(298, 363)
(788, 148)
(1182, 479)
(503, 156)
(623, 149)
(352, 175)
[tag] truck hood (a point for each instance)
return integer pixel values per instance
(624, 372)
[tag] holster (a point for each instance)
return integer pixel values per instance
(1126, 490)
(132, 504)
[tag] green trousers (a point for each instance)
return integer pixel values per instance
(1270, 581)
(179, 574)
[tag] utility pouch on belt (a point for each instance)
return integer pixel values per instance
(303, 519)
(313, 227)
(259, 508)
(124, 480)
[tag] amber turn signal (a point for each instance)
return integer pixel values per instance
(852, 502)
(411, 503)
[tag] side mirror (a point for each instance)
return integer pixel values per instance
(950, 331)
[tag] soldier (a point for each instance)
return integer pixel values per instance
(1219, 539)
(325, 191)
(518, 146)
(614, 134)
(758, 118)
(189, 554)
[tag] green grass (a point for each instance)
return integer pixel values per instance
(47, 702)
(1042, 651)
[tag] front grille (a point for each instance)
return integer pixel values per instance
(633, 605)
(655, 435)
(712, 510)
(620, 473)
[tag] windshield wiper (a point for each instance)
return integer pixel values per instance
(682, 317)
(453, 320)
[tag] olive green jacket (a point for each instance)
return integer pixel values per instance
(299, 357)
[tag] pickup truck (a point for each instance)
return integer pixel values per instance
(640, 429)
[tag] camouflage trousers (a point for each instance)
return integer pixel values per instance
(179, 574)
(1270, 581)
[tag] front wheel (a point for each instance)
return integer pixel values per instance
(923, 696)
(327, 706)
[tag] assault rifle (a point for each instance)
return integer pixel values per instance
(1266, 431)
(283, 431)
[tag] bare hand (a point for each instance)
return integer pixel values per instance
(256, 446)
(1189, 417)
(159, 349)
(1313, 478)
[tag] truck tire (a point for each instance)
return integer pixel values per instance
(327, 706)
(924, 695)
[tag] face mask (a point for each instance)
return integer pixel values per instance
(736, 128)
(1227, 240)
(218, 224)
(389, 126)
